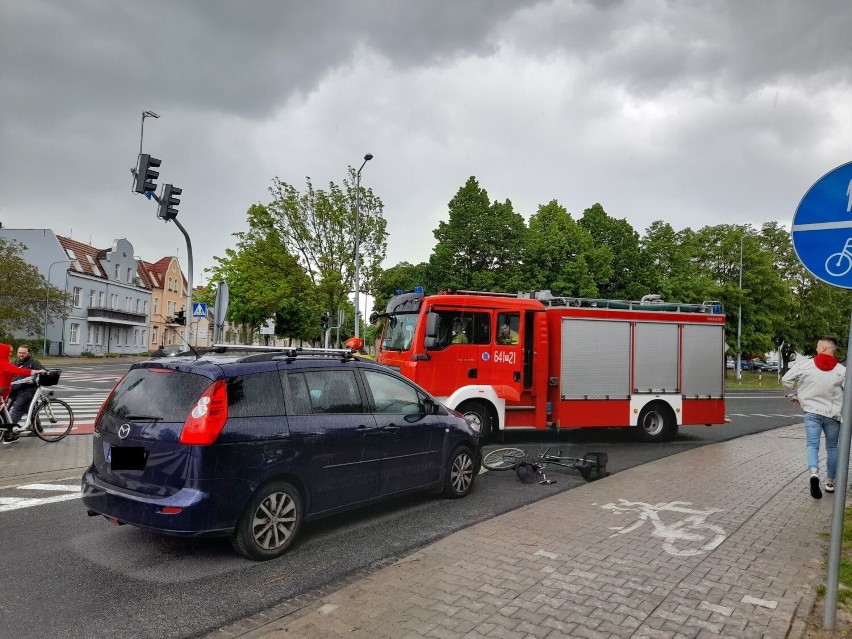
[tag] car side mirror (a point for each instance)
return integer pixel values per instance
(432, 407)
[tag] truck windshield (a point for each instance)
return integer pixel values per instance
(399, 332)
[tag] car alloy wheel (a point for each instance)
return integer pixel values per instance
(270, 523)
(460, 473)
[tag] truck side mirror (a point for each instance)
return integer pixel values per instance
(432, 325)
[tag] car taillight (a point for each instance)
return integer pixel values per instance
(207, 417)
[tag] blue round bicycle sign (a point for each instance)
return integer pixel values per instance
(822, 228)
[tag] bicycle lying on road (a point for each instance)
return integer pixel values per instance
(49, 418)
(529, 469)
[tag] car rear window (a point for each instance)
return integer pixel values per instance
(156, 393)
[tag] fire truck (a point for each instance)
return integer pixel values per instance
(535, 361)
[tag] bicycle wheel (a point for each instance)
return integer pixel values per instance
(503, 459)
(54, 420)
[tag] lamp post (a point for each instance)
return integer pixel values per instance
(46, 300)
(367, 158)
(740, 316)
(145, 114)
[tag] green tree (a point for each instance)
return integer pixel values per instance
(674, 272)
(813, 308)
(265, 281)
(763, 295)
(401, 277)
(560, 255)
(627, 275)
(25, 295)
(481, 245)
(319, 227)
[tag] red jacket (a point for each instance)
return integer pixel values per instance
(8, 370)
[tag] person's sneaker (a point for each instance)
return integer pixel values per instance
(829, 485)
(816, 493)
(10, 438)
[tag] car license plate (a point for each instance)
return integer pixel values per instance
(127, 457)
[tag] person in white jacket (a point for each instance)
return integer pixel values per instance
(816, 384)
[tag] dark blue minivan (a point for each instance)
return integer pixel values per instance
(251, 444)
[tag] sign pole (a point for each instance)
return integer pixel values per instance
(838, 511)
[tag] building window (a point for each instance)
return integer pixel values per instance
(99, 335)
(154, 332)
(75, 333)
(130, 276)
(113, 301)
(92, 298)
(77, 295)
(100, 299)
(117, 271)
(90, 338)
(156, 306)
(145, 307)
(128, 303)
(144, 335)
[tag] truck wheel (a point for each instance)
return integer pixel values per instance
(656, 423)
(477, 416)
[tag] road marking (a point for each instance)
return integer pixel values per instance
(72, 491)
(58, 487)
(16, 503)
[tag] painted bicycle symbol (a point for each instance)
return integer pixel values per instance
(840, 263)
(690, 530)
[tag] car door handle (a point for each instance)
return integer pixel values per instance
(390, 428)
(365, 430)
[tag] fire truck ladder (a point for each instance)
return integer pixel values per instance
(647, 303)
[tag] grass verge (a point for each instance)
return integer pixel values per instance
(843, 625)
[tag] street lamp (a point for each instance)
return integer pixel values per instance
(740, 316)
(145, 114)
(367, 158)
(46, 299)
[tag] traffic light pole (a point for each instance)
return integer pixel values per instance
(189, 281)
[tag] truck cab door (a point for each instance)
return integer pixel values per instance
(507, 357)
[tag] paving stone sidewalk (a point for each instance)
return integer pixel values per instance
(719, 541)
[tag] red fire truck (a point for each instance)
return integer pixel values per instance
(538, 361)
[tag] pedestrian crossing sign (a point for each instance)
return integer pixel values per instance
(199, 309)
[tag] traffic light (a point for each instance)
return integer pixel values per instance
(145, 174)
(180, 317)
(169, 202)
(324, 322)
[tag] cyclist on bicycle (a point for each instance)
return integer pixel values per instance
(7, 372)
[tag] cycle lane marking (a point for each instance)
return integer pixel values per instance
(674, 532)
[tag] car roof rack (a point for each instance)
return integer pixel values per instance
(290, 352)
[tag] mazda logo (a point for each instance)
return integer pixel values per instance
(123, 431)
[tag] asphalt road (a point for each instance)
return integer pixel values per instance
(68, 575)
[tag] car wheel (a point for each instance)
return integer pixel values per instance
(477, 416)
(460, 473)
(656, 423)
(270, 522)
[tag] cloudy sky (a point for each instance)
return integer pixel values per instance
(696, 113)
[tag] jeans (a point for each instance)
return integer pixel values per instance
(814, 425)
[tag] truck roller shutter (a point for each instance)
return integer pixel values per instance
(703, 361)
(595, 359)
(656, 358)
